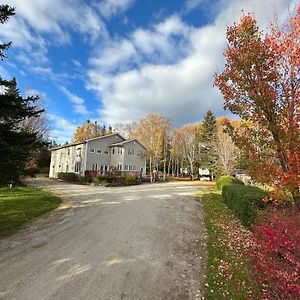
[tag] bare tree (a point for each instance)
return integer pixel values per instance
(189, 143)
(226, 153)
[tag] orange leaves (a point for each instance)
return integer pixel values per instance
(261, 84)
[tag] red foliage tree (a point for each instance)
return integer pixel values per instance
(276, 256)
(261, 84)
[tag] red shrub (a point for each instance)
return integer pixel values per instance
(276, 255)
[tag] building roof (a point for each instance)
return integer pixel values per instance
(83, 142)
(127, 141)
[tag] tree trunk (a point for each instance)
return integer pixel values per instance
(165, 158)
(192, 171)
(150, 167)
(169, 167)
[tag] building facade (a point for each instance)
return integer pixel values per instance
(99, 154)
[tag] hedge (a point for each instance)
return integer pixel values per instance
(227, 180)
(244, 201)
(72, 177)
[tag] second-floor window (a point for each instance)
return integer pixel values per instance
(130, 151)
(78, 152)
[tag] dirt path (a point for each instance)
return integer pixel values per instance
(141, 242)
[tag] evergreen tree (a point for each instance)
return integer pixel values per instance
(5, 12)
(16, 144)
(208, 136)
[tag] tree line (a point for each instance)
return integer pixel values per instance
(260, 84)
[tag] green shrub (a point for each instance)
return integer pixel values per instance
(130, 179)
(227, 180)
(31, 171)
(86, 179)
(44, 170)
(244, 201)
(72, 177)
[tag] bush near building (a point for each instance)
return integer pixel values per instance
(227, 180)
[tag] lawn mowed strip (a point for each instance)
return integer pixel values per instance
(230, 274)
(21, 204)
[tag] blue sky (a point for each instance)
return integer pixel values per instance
(117, 60)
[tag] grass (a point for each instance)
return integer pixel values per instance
(21, 204)
(229, 271)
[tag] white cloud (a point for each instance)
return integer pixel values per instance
(153, 81)
(192, 4)
(79, 103)
(39, 24)
(108, 8)
(55, 16)
(63, 129)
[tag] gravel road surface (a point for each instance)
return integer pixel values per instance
(139, 242)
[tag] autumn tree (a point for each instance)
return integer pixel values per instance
(187, 136)
(152, 131)
(90, 130)
(176, 152)
(261, 83)
(128, 130)
(225, 151)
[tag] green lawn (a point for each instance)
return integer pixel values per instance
(229, 271)
(21, 204)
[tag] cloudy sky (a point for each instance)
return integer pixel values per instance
(117, 60)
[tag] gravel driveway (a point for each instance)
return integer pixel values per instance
(139, 242)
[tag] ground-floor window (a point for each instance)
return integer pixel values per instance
(95, 167)
(77, 167)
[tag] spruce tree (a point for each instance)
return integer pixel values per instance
(208, 136)
(5, 12)
(16, 144)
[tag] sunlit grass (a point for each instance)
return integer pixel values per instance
(21, 204)
(229, 271)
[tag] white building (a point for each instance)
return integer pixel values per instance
(99, 154)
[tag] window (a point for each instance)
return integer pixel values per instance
(113, 150)
(68, 151)
(92, 150)
(120, 151)
(142, 169)
(77, 167)
(78, 150)
(130, 168)
(126, 167)
(101, 168)
(134, 168)
(105, 152)
(99, 151)
(130, 151)
(67, 168)
(95, 167)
